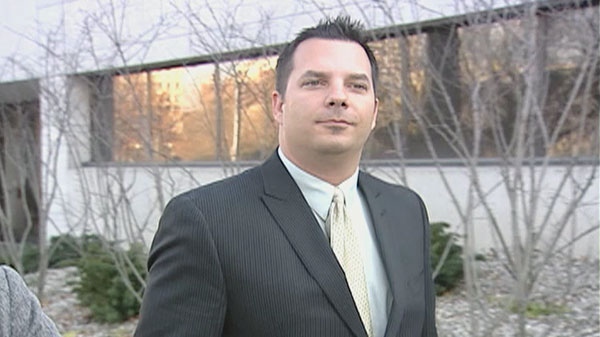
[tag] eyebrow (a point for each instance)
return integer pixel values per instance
(320, 74)
(359, 77)
(313, 73)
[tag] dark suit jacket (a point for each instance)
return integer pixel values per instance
(245, 256)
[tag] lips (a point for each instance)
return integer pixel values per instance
(338, 122)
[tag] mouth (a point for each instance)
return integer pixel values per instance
(335, 122)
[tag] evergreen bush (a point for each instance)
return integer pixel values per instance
(30, 258)
(105, 271)
(451, 272)
(65, 250)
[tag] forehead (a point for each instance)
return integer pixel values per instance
(331, 56)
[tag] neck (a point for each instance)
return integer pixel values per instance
(333, 169)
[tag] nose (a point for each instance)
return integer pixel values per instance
(337, 96)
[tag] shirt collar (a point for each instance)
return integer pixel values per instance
(317, 192)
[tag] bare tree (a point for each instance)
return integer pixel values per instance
(490, 92)
(515, 90)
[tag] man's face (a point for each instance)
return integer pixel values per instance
(329, 106)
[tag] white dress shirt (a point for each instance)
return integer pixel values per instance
(318, 194)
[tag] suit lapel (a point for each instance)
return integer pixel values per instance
(388, 234)
(284, 200)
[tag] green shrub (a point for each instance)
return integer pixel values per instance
(30, 258)
(104, 271)
(65, 250)
(451, 272)
(109, 276)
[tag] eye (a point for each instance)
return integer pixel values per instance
(359, 86)
(313, 83)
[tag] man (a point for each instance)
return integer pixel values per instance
(20, 311)
(259, 254)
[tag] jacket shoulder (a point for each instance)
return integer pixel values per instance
(244, 181)
(224, 193)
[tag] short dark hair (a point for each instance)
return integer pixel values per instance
(340, 28)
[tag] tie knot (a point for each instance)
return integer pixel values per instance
(338, 196)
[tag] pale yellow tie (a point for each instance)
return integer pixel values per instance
(345, 245)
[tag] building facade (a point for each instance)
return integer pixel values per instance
(491, 114)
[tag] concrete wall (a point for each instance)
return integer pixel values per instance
(122, 201)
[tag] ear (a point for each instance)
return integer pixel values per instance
(375, 111)
(277, 107)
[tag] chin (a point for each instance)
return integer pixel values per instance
(335, 149)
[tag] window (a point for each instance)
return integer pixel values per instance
(196, 113)
(468, 91)
(445, 91)
(20, 170)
